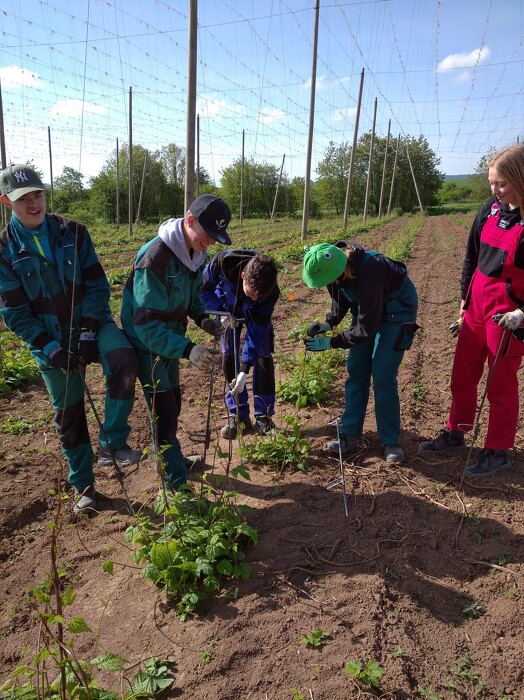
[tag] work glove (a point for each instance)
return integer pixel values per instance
(318, 327)
(238, 384)
(64, 360)
(201, 357)
(88, 346)
(454, 329)
(318, 344)
(229, 322)
(213, 327)
(511, 320)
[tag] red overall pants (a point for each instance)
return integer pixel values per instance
(497, 286)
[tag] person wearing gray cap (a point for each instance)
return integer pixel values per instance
(54, 295)
(161, 294)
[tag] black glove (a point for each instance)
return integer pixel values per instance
(213, 327)
(88, 346)
(318, 327)
(64, 360)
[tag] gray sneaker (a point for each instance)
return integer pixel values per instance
(347, 445)
(394, 454)
(194, 463)
(446, 441)
(230, 430)
(124, 456)
(85, 501)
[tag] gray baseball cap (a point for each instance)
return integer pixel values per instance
(17, 180)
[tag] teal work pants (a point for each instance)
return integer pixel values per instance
(66, 391)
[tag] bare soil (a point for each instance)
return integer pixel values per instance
(389, 583)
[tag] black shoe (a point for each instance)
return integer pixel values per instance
(348, 445)
(489, 463)
(230, 430)
(263, 425)
(446, 441)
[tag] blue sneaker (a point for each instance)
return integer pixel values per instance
(489, 463)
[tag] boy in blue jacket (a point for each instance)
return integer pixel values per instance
(243, 283)
(55, 296)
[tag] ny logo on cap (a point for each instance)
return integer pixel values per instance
(21, 176)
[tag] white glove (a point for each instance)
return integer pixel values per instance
(201, 357)
(455, 327)
(512, 320)
(238, 384)
(213, 327)
(228, 322)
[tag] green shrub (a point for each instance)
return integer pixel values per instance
(281, 449)
(312, 376)
(198, 544)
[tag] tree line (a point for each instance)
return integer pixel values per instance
(158, 179)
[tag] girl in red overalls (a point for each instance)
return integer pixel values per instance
(492, 285)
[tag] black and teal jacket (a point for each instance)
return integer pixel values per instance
(159, 296)
(47, 302)
(377, 293)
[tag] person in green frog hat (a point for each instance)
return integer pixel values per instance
(383, 304)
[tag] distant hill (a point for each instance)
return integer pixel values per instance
(456, 177)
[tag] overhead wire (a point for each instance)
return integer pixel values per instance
(474, 74)
(274, 95)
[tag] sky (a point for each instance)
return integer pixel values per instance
(450, 71)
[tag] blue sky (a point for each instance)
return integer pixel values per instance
(452, 71)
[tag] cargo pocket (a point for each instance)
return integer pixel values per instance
(515, 344)
(405, 336)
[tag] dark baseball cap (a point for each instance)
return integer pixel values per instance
(17, 180)
(213, 214)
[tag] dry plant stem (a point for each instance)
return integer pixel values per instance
(434, 578)
(92, 554)
(421, 493)
(462, 518)
(493, 566)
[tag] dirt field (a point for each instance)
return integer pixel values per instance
(389, 583)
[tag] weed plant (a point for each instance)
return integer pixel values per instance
(369, 674)
(464, 676)
(280, 450)
(198, 544)
(17, 366)
(20, 426)
(55, 672)
(316, 638)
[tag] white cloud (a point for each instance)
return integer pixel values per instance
(463, 77)
(321, 83)
(16, 77)
(75, 108)
(343, 114)
(272, 114)
(465, 60)
(208, 106)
